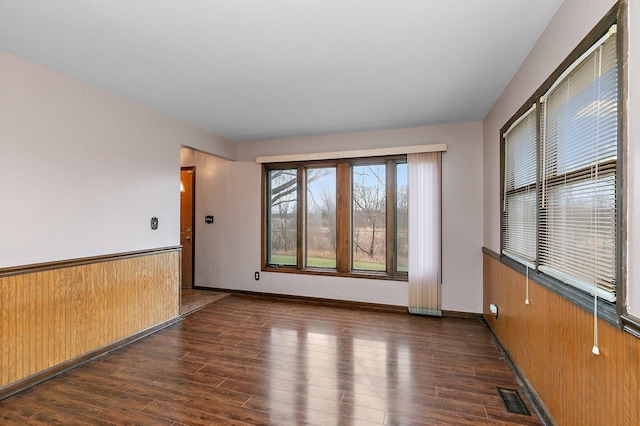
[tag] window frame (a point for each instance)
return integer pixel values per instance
(344, 243)
(507, 194)
(612, 312)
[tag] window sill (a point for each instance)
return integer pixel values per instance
(606, 310)
(631, 324)
(333, 273)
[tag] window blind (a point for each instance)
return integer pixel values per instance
(579, 163)
(520, 192)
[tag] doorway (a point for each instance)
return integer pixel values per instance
(187, 223)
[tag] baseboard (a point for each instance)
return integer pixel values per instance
(313, 300)
(538, 405)
(218, 290)
(338, 303)
(464, 315)
(56, 370)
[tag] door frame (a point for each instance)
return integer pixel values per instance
(193, 223)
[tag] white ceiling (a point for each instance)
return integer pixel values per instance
(263, 69)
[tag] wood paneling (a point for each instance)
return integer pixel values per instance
(56, 314)
(551, 339)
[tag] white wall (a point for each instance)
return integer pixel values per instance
(232, 254)
(574, 19)
(82, 171)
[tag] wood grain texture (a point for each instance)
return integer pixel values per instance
(249, 360)
(52, 316)
(343, 223)
(551, 340)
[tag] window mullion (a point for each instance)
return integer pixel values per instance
(343, 217)
(390, 231)
(301, 223)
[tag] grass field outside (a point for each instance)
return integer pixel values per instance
(321, 262)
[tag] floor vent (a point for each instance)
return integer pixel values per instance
(512, 401)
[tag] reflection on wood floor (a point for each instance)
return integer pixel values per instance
(252, 360)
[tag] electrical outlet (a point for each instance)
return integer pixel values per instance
(494, 310)
(256, 276)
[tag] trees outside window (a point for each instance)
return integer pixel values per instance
(369, 217)
(347, 217)
(321, 217)
(283, 216)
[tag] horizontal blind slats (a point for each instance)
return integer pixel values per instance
(580, 139)
(519, 215)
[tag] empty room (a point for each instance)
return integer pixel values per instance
(319, 212)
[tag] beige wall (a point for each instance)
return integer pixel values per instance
(229, 252)
(572, 22)
(82, 171)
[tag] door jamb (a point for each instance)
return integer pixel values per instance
(193, 222)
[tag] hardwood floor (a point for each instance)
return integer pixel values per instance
(251, 360)
(194, 299)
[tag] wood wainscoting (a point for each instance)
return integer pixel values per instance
(53, 315)
(550, 341)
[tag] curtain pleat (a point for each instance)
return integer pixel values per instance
(424, 233)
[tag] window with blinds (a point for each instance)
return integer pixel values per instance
(579, 127)
(559, 213)
(520, 190)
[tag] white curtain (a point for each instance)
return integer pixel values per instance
(424, 233)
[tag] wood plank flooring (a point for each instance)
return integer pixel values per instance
(194, 299)
(250, 360)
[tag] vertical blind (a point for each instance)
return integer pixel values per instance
(520, 193)
(579, 126)
(425, 277)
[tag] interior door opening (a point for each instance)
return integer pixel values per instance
(187, 223)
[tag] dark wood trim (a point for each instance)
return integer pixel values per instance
(220, 290)
(491, 253)
(316, 300)
(193, 224)
(623, 144)
(604, 168)
(464, 315)
(343, 214)
(343, 218)
(335, 273)
(539, 407)
(301, 207)
(606, 310)
(264, 218)
(67, 263)
(390, 217)
(41, 376)
(539, 166)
